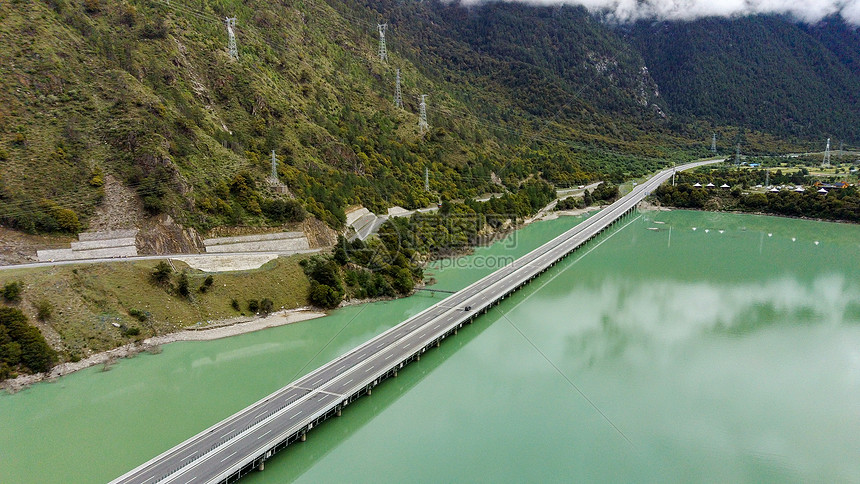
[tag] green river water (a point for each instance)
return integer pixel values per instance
(728, 353)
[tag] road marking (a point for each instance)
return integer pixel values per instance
(381, 345)
(350, 381)
(261, 413)
(314, 383)
(434, 327)
(228, 433)
(267, 433)
(341, 368)
(368, 369)
(297, 414)
(362, 355)
(407, 345)
(389, 356)
(231, 455)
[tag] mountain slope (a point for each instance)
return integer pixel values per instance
(145, 92)
(761, 72)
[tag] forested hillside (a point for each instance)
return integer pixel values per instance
(146, 94)
(768, 73)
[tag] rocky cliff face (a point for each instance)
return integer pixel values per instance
(162, 235)
(318, 233)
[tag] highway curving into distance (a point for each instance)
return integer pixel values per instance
(243, 441)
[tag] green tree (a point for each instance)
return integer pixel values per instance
(403, 282)
(587, 198)
(161, 273)
(324, 296)
(32, 349)
(182, 285)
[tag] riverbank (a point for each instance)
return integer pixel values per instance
(222, 329)
(237, 325)
(564, 213)
(744, 212)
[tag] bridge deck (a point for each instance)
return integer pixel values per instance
(243, 441)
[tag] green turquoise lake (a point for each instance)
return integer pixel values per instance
(680, 346)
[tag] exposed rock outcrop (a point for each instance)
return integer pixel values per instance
(162, 235)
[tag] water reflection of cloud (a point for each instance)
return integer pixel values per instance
(737, 383)
(620, 314)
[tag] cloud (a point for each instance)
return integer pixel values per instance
(630, 10)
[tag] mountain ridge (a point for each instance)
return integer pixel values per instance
(146, 92)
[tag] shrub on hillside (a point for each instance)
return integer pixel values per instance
(182, 285)
(44, 309)
(207, 283)
(161, 273)
(266, 305)
(12, 291)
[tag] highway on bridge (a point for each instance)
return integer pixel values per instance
(243, 441)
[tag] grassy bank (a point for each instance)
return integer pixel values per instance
(89, 308)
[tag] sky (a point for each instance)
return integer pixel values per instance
(630, 10)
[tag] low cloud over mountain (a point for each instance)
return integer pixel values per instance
(630, 10)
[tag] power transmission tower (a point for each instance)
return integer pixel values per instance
(383, 53)
(826, 162)
(274, 166)
(426, 179)
(398, 96)
(714, 143)
(422, 115)
(738, 154)
(231, 43)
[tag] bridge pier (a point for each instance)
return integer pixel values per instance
(304, 437)
(262, 465)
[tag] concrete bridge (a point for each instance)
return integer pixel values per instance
(244, 441)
